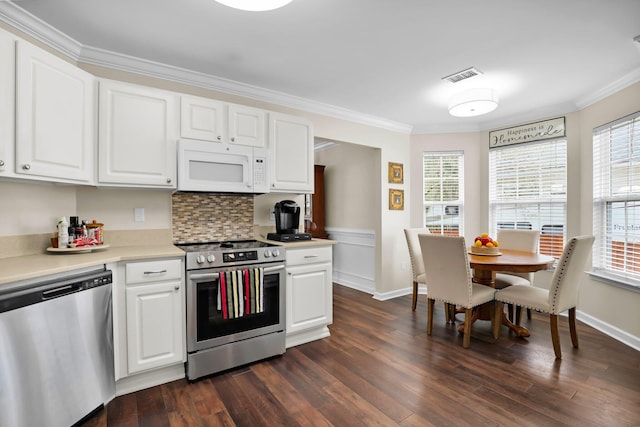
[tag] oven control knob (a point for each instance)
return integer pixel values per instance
(211, 258)
(200, 259)
(267, 254)
(275, 253)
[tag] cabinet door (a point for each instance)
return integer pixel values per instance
(309, 297)
(55, 129)
(154, 325)
(291, 153)
(138, 132)
(7, 102)
(246, 126)
(201, 118)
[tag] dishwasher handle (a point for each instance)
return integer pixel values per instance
(61, 291)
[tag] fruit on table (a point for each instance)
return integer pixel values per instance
(485, 240)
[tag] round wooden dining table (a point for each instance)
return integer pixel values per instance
(484, 272)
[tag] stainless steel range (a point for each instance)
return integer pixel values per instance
(235, 304)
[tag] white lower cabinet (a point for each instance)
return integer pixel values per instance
(309, 294)
(149, 320)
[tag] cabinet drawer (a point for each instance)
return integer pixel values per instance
(308, 255)
(153, 271)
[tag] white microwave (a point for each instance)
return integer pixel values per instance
(221, 168)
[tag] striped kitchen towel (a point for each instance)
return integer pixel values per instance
(241, 292)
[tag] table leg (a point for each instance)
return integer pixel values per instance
(484, 313)
(520, 331)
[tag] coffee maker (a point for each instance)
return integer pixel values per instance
(287, 214)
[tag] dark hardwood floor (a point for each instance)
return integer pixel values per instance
(379, 367)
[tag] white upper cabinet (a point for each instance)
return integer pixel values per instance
(202, 118)
(7, 102)
(55, 125)
(290, 153)
(138, 131)
(210, 120)
(246, 125)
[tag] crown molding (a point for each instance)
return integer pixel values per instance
(22, 20)
(100, 57)
(34, 27)
(623, 82)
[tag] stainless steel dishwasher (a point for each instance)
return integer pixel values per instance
(56, 341)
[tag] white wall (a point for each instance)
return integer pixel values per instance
(610, 308)
(34, 208)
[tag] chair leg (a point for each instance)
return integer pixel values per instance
(572, 327)
(496, 319)
(518, 315)
(447, 312)
(528, 314)
(555, 337)
(414, 300)
(466, 339)
(430, 304)
(510, 312)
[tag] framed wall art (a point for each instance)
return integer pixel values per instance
(395, 173)
(396, 199)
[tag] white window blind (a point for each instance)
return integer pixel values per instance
(528, 190)
(616, 199)
(443, 189)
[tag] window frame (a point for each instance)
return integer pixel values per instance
(609, 166)
(451, 208)
(547, 205)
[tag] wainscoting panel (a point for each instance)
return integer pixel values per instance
(354, 258)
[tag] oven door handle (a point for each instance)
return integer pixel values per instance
(272, 269)
(204, 276)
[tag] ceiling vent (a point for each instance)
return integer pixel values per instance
(463, 75)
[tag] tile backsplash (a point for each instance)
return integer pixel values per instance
(202, 217)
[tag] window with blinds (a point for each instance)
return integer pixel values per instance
(616, 200)
(443, 179)
(528, 190)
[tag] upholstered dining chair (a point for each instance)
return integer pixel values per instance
(517, 240)
(446, 269)
(562, 294)
(417, 266)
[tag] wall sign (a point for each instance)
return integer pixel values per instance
(538, 131)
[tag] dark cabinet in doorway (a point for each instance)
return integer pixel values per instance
(316, 223)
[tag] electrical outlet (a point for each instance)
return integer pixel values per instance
(272, 214)
(138, 214)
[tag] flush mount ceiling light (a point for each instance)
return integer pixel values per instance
(255, 5)
(473, 102)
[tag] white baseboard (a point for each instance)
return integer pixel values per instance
(307, 336)
(610, 330)
(149, 379)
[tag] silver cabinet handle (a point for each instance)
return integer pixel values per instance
(177, 288)
(219, 138)
(156, 272)
(168, 180)
(310, 256)
(1, 163)
(26, 167)
(233, 139)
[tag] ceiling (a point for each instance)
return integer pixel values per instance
(378, 61)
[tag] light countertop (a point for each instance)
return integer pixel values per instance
(32, 266)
